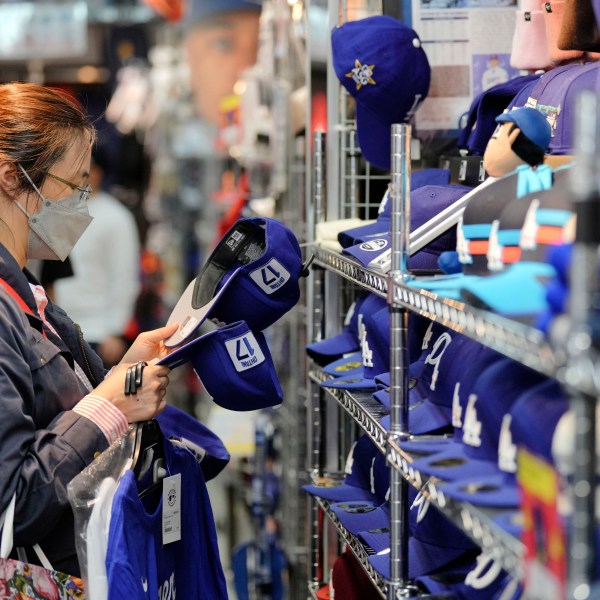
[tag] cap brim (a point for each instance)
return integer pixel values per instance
(374, 137)
(364, 233)
(376, 541)
(189, 318)
(427, 558)
(494, 490)
(423, 416)
(340, 493)
(350, 383)
(331, 348)
(371, 252)
(351, 517)
(518, 291)
(454, 463)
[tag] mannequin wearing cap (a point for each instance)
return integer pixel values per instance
(522, 137)
(221, 41)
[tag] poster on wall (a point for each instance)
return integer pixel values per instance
(468, 44)
(34, 30)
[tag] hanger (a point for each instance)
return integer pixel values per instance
(149, 455)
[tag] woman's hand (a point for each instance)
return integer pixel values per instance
(148, 401)
(148, 346)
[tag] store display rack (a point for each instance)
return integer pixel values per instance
(514, 339)
(476, 522)
(357, 549)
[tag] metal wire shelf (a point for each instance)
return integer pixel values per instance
(357, 549)
(514, 339)
(362, 408)
(476, 522)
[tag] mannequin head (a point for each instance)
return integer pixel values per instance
(220, 43)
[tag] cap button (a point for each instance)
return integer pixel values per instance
(416, 42)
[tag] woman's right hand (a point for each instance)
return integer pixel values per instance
(149, 399)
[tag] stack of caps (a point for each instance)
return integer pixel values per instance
(248, 283)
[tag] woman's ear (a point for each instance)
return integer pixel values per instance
(9, 177)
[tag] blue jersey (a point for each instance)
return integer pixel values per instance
(139, 567)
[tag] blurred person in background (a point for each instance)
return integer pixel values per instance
(101, 294)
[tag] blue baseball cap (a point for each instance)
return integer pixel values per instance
(418, 179)
(530, 422)
(202, 9)
(348, 341)
(356, 485)
(483, 578)
(349, 365)
(382, 65)
(207, 446)
(425, 202)
(251, 275)
(481, 120)
(532, 123)
(447, 369)
(486, 439)
(234, 365)
(375, 350)
(485, 205)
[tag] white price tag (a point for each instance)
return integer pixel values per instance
(171, 512)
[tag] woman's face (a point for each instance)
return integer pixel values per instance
(218, 51)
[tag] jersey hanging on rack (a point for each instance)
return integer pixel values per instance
(139, 566)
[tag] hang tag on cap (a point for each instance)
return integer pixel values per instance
(171, 509)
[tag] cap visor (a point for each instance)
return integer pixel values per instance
(364, 233)
(361, 516)
(347, 366)
(340, 493)
(494, 490)
(190, 319)
(331, 348)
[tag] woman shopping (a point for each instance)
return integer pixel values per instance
(59, 407)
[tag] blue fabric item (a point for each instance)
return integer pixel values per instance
(269, 564)
(425, 202)
(418, 179)
(176, 423)
(234, 365)
(382, 65)
(375, 353)
(532, 123)
(357, 481)
(348, 339)
(481, 120)
(478, 418)
(448, 262)
(347, 366)
(138, 565)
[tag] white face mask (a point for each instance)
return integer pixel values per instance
(56, 227)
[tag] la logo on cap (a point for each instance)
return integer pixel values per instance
(362, 74)
(244, 351)
(270, 277)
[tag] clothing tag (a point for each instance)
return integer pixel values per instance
(171, 513)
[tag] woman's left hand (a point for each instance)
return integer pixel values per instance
(149, 346)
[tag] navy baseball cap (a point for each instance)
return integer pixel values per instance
(375, 351)
(532, 123)
(348, 341)
(425, 202)
(382, 65)
(356, 484)
(251, 275)
(356, 235)
(234, 365)
(206, 445)
(202, 9)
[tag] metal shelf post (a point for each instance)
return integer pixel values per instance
(399, 586)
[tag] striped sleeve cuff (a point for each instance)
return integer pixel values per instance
(111, 421)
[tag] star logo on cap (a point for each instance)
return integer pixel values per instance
(361, 74)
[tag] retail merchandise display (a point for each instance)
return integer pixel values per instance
(471, 418)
